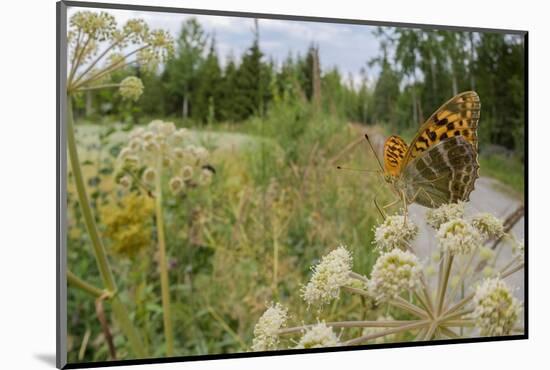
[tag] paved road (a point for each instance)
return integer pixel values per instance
(487, 197)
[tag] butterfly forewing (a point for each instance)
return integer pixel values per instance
(395, 149)
(445, 173)
(457, 117)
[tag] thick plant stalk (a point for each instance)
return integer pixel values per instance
(119, 310)
(163, 264)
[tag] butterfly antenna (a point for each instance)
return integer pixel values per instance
(374, 152)
(355, 169)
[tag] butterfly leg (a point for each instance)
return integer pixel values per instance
(391, 204)
(405, 208)
(417, 194)
(382, 209)
(427, 195)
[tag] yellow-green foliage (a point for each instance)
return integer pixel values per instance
(128, 223)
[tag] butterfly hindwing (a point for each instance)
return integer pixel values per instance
(445, 173)
(457, 117)
(395, 149)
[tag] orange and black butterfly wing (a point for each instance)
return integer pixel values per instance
(445, 173)
(457, 117)
(441, 163)
(395, 149)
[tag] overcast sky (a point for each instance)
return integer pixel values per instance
(348, 47)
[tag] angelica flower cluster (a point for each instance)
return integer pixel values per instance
(161, 148)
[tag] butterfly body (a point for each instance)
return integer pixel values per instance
(440, 165)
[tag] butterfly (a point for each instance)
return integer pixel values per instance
(440, 165)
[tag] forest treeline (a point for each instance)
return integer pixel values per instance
(416, 71)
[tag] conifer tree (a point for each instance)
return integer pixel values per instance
(208, 94)
(181, 72)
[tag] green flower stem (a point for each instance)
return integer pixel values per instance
(397, 302)
(460, 323)
(78, 83)
(359, 277)
(427, 296)
(357, 291)
(431, 330)
(104, 72)
(469, 297)
(77, 282)
(464, 301)
(78, 52)
(511, 263)
(462, 275)
(421, 334)
(120, 312)
(352, 324)
(109, 48)
(163, 263)
(99, 249)
(96, 87)
(448, 332)
(425, 290)
(407, 306)
(456, 315)
(427, 306)
(399, 329)
(442, 286)
(510, 272)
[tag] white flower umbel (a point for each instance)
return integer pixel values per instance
(149, 175)
(328, 277)
(318, 336)
(447, 212)
(187, 172)
(181, 135)
(266, 330)
(393, 273)
(458, 237)
(496, 309)
(160, 148)
(519, 249)
(488, 225)
(394, 232)
(125, 181)
(205, 178)
(176, 185)
(131, 88)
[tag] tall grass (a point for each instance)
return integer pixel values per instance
(276, 205)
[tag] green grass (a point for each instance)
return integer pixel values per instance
(276, 192)
(508, 170)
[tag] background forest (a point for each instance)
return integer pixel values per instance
(417, 71)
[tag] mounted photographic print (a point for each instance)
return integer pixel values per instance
(237, 184)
